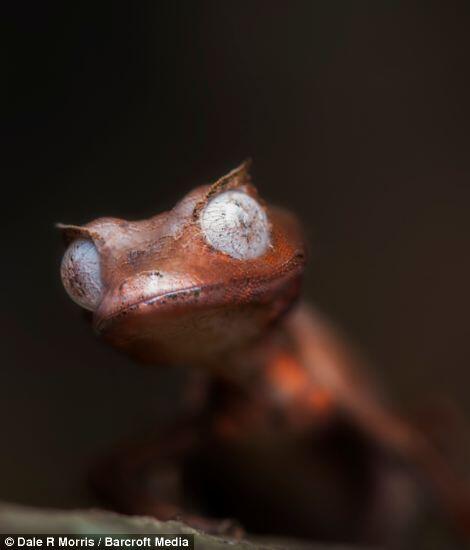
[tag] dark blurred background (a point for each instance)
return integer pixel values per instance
(357, 117)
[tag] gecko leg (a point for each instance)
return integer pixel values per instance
(146, 479)
(332, 365)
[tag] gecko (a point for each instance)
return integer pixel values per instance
(286, 434)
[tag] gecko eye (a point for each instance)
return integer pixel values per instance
(81, 273)
(234, 223)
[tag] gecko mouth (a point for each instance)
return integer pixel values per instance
(194, 322)
(156, 297)
(172, 299)
(130, 301)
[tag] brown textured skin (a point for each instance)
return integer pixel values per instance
(283, 379)
(210, 303)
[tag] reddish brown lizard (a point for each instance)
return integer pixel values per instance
(293, 439)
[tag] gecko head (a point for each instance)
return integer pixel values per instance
(190, 284)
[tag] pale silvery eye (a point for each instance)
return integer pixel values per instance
(234, 223)
(81, 273)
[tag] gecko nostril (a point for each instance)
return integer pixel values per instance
(145, 283)
(134, 255)
(148, 284)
